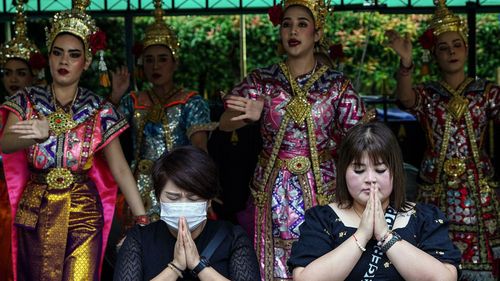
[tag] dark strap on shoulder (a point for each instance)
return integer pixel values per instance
(215, 242)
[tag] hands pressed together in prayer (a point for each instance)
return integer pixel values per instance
(373, 223)
(185, 252)
(250, 109)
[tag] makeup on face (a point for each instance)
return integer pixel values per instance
(67, 60)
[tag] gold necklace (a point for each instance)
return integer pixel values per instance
(156, 111)
(457, 104)
(298, 107)
(61, 121)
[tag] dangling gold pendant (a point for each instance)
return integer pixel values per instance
(155, 113)
(298, 108)
(457, 107)
(60, 122)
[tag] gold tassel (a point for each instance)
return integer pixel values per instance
(234, 138)
(103, 69)
(104, 80)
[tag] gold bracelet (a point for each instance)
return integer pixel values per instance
(175, 269)
(357, 243)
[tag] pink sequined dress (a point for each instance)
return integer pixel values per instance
(301, 133)
(61, 191)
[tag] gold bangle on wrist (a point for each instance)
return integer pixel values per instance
(359, 244)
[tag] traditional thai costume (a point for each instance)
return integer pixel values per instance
(159, 127)
(159, 123)
(61, 190)
(20, 48)
(302, 123)
(456, 172)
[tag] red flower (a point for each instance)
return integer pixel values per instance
(137, 49)
(336, 52)
(427, 40)
(275, 14)
(97, 41)
(37, 61)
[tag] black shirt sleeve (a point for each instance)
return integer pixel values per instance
(129, 263)
(243, 265)
(316, 237)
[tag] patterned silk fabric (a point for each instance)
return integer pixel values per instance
(335, 109)
(467, 196)
(181, 119)
(62, 231)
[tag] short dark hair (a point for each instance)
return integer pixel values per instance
(380, 143)
(190, 169)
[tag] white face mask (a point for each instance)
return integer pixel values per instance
(194, 212)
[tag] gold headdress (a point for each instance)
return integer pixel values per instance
(318, 8)
(76, 22)
(444, 21)
(20, 46)
(159, 33)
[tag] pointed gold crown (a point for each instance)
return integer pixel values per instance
(444, 21)
(20, 47)
(159, 33)
(318, 8)
(74, 21)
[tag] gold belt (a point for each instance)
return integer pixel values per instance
(58, 178)
(145, 166)
(454, 167)
(298, 165)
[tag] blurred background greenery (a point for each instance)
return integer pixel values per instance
(210, 48)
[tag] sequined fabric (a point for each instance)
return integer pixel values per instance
(335, 109)
(62, 232)
(468, 199)
(184, 118)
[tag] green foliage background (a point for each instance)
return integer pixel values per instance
(210, 48)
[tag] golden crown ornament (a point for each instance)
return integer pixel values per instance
(74, 21)
(20, 47)
(159, 33)
(445, 21)
(318, 8)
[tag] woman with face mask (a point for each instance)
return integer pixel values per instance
(184, 245)
(304, 109)
(62, 161)
(165, 116)
(456, 171)
(20, 64)
(371, 232)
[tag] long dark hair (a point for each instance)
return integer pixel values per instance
(190, 169)
(380, 144)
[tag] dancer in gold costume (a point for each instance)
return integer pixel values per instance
(57, 144)
(456, 172)
(304, 108)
